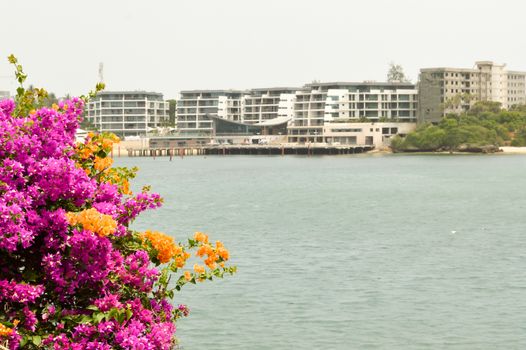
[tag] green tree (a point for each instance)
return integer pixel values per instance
(465, 131)
(518, 108)
(456, 102)
(520, 139)
(396, 74)
(172, 107)
(50, 99)
(485, 106)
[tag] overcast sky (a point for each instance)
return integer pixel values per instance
(168, 46)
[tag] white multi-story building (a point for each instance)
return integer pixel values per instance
(453, 90)
(306, 110)
(196, 109)
(516, 88)
(493, 82)
(320, 103)
(260, 105)
(127, 113)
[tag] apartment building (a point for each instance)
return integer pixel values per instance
(516, 88)
(127, 113)
(453, 90)
(320, 103)
(196, 109)
(260, 105)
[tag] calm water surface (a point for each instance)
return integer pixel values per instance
(351, 252)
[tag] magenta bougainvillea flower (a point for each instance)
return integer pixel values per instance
(73, 275)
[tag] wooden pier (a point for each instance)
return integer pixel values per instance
(249, 150)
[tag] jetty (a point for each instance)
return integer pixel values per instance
(288, 149)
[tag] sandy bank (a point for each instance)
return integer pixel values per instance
(514, 150)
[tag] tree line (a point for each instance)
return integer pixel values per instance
(484, 124)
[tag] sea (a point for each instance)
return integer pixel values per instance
(350, 252)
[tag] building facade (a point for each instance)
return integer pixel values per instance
(454, 90)
(377, 134)
(127, 113)
(260, 105)
(304, 110)
(320, 103)
(196, 110)
(516, 88)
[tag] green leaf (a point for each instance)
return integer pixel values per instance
(98, 316)
(114, 312)
(24, 341)
(37, 340)
(85, 319)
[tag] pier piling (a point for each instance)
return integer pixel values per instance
(297, 149)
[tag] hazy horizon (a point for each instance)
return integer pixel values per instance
(167, 47)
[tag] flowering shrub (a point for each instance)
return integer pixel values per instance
(73, 275)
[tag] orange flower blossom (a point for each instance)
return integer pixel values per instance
(164, 245)
(93, 221)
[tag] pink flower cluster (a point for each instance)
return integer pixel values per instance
(62, 286)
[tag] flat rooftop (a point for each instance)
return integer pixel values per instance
(362, 83)
(444, 69)
(129, 92)
(288, 88)
(215, 91)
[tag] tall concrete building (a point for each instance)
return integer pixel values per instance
(127, 113)
(196, 109)
(516, 88)
(453, 90)
(205, 114)
(264, 104)
(320, 103)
